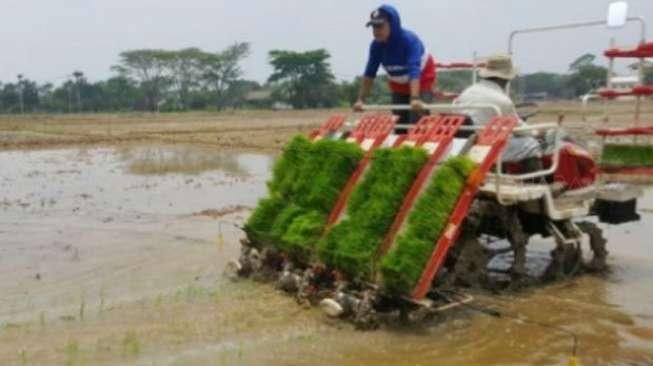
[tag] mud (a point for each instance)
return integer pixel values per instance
(101, 263)
(76, 223)
(239, 130)
(213, 213)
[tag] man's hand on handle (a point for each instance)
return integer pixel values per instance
(416, 105)
(366, 88)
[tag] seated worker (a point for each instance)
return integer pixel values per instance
(491, 89)
(410, 68)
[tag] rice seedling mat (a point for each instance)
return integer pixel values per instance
(488, 146)
(306, 182)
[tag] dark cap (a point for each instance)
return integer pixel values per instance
(378, 17)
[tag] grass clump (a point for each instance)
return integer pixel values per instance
(627, 155)
(306, 182)
(352, 244)
(131, 345)
(402, 267)
(71, 350)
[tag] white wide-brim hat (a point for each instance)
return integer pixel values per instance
(498, 66)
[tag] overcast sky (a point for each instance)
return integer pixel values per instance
(48, 39)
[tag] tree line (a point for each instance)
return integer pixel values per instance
(144, 79)
(194, 79)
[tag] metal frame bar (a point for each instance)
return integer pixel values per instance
(434, 107)
(640, 74)
(515, 131)
(495, 137)
(513, 34)
(377, 128)
(499, 176)
(443, 134)
(556, 153)
(329, 127)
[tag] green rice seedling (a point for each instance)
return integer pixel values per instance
(304, 230)
(289, 165)
(284, 220)
(402, 267)
(284, 175)
(325, 173)
(627, 155)
(323, 178)
(263, 217)
(306, 182)
(352, 244)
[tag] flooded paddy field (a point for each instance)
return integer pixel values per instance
(114, 255)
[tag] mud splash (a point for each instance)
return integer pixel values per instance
(100, 264)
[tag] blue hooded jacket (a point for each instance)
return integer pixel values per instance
(401, 56)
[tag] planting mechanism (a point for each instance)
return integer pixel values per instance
(428, 214)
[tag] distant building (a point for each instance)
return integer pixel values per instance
(624, 83)
(259, 99)
(635, 65)
(258, 96)
(263, 99)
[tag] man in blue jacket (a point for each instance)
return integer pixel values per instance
(410, 68)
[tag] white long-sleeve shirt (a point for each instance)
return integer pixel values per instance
(485, 92)
(488, 92)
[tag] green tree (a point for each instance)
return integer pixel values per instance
(22, 96)
(648, 75)
(184, 67)
(585, 79)
(582, 61)
(150, 67)
(303, 79)
(454, 81)
(9, 98)
(122, 93)
(239, 89)
(542, 82)
(380, 93)
(45, 94)
(221, 70)
(348, 91)
(80, 82)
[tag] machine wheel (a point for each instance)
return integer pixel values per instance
(364, 316)
(470, 269)
(518, 239)
(566, 261)
(597, 244)
(470, 259)
(566, 258)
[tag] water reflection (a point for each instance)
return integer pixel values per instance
(97, 182)
(159, 160)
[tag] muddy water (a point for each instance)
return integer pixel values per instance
(77, 224)
(612, 317)
(82, 229)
